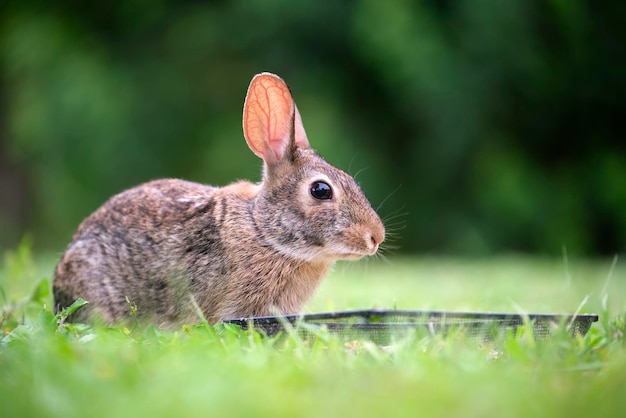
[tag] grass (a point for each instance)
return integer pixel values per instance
(47, 370)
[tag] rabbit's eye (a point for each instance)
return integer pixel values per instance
(321, 190)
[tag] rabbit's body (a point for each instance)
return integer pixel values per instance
(220, 258)
(241, 250)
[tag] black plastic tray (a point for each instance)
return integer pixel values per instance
(381, 325)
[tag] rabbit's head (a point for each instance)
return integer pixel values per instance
(306, 208)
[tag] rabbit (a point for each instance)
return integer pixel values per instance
(243, 250)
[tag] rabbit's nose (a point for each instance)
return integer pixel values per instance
(375, 238)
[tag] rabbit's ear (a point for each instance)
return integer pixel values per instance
(271, 121)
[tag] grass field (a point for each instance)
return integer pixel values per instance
(201, 371)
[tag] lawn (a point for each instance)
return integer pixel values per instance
(202, 371)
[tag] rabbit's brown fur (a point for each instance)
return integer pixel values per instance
(241, 250)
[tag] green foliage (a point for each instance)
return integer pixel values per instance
(18, 271)
(50, 368)
(491, 126)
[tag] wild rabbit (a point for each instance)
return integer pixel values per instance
(240, 250)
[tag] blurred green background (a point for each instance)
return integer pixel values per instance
(475, 127)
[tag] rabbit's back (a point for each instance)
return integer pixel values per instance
(136, 246)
